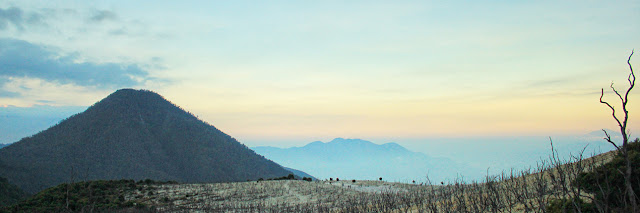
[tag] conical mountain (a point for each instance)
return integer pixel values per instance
(131, 134)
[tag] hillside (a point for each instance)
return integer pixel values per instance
(9, 193)
(2, 145)
(131, 134)
(360, 159)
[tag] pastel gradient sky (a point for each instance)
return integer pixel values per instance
(311, 70)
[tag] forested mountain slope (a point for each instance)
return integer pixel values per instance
(131, 134)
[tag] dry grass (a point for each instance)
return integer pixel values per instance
(513, 191)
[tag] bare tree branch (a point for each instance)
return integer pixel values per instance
(631, 79)
(616, 92)
(608, 139)
(631, 196)
(611, 107)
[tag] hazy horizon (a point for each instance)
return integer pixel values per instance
(492, 153)
(288, 73)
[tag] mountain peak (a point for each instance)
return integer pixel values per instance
(132, 134)
(133, 94)
(337, 140)
(127, 90)
(130, 93)
(124, 99)
(349, 141)
(315, 143)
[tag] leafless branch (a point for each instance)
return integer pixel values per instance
(631, 79)
(616, 92)
(610, 107)
(608, 139)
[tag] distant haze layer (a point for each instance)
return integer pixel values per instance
(363, 160)
(468, 158)
(493, 153)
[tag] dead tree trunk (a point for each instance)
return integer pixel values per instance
(631, 196)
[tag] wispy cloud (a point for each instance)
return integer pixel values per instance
(103, 15)
(18, 18)
(23, 59)
(66, 23)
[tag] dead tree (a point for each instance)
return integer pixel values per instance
(631, 196)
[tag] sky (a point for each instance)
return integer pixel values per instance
(285, 73)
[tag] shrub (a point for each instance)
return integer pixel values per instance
(607, 182)
(101, 194)
(568, 205)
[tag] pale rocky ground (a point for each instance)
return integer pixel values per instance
(262, 194)
(524, 191)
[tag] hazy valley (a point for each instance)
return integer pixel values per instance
(364, 160)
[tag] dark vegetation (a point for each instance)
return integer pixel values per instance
(131, 134)
(288, 177)
(607, 183)
(299, 173)
(9, 193)
(100, 195)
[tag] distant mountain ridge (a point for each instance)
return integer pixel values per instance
(361, 159)
(3, 145)
(131, 134)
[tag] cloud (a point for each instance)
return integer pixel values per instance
(21, 59)
(8, 94)
(103, 15)
(16, 17)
